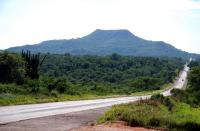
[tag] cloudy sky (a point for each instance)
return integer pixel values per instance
(32, 21)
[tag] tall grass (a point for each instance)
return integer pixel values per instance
(155, 114)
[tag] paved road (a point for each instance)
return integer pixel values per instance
(22, 112)
(62, 122)
(180, 82)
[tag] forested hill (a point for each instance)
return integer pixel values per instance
(105, 42)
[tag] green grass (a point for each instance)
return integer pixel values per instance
(153, 114)
(12, 94)
(8, 97)
(153, 92)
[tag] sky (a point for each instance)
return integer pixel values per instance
(32, 21)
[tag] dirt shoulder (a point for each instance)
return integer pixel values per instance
(117, 126)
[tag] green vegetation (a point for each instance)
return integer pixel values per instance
(32, 64)
(153, 92)
(65, 77)
(112, 74)
(192, 94)
(181, 111)
(163, 113)
(11, 68)
(194, 63)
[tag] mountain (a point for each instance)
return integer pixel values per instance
(104, 42)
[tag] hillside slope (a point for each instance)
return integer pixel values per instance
(104, 42)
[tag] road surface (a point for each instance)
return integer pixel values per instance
(62, 122)
(22, 112)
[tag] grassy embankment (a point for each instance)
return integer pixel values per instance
(161, 114)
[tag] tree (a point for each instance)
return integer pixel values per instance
(115, 57)
(146, 83)
(194, 78)
(61, 85)
(32, 63)
(11, 68)
(194, 64)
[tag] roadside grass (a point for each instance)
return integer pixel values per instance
(11, 99)
(12, 94)
(155, 114)
(153, 92)
(8, 97)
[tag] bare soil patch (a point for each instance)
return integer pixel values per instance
(117, 126)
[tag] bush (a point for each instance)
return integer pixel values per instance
(191, 126)
(151, 114)
(61, 85)
(186, 126)
(158, 97)
(47, 82)
(154, 121)
(163, 100)
(54, 93)
(147, 83)
(32, 85)
(35, 89)
(11, 68)
(169, 103)
(194, 78)
(11, 88)
(50, 87)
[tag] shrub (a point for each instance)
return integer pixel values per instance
(168, 102)
(135, 122)
(50, 87)
(186, 126)
(54, 93)
(194, 78)
(32, 85)
(11, 88)
(61, 85)
(35, 89)
(163, 100)
(191, 126)
(154, 121)
(11, 68)
(158, 97)
(147, 83)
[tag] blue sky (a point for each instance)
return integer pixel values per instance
(31, 21)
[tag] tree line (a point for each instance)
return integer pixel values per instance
(68, 74)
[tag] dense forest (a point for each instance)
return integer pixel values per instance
(79, 75)
(112, 73)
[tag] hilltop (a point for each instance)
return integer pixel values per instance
(105, 42)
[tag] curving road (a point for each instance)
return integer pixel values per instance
(22, 112)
